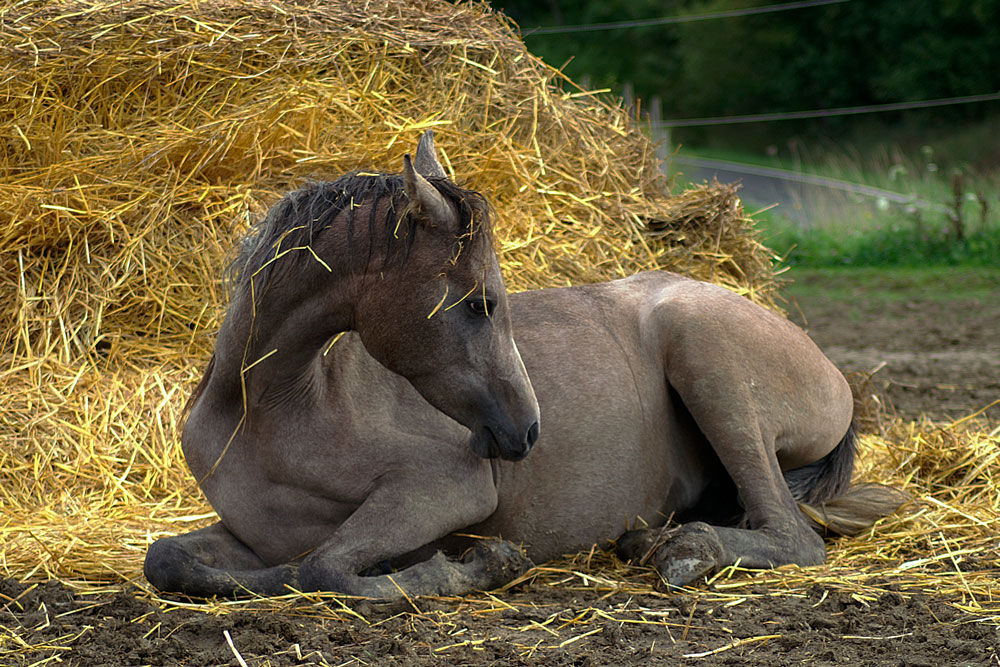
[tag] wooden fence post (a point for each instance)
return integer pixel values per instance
(659, 133)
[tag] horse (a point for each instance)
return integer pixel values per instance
(374, 395)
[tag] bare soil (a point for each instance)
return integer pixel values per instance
(931, 338)
(941, 357)
(824, 627)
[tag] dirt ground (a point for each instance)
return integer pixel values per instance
(933, 339)
(824, 627)
(941, 356)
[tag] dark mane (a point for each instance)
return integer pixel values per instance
(301, 216)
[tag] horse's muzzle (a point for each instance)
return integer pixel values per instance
(488, 444)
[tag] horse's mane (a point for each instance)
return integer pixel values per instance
(299, 217)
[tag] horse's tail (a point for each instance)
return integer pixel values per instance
(824, 493)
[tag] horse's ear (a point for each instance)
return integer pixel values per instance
(429, 204)
(426, 160)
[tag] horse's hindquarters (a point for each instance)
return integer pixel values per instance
(656, 393)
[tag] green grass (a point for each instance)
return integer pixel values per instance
(893, 242)
(894, 284)
(848, 230)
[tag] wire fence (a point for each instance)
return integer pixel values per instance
(660, 128)
(673, 20)
(826, 182)
(823, 113)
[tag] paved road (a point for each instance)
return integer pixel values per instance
(800, 197)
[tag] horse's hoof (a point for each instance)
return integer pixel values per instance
(500, 560)
(692, 553)
(168, 567)
(635, 545)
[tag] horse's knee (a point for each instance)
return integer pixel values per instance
(168, 566)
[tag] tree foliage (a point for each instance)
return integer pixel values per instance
(852, 53)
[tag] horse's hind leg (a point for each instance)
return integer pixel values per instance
(212, 562)
(764, 391)
(777, 535)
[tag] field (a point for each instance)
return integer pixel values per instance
(933, 328)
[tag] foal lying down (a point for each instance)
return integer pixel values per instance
(368, 405)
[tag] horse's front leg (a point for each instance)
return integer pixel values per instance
(212, 562)
(400, 516)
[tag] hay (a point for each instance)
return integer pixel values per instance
(137, 142)
(140, 138)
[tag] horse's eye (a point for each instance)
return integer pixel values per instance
(481, 306)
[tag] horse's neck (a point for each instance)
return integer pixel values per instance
(284, 321)
(280, 326)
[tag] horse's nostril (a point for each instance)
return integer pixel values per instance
(532, 435)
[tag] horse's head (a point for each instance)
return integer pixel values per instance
(438, 314)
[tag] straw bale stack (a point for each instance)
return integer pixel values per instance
(139, 139)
